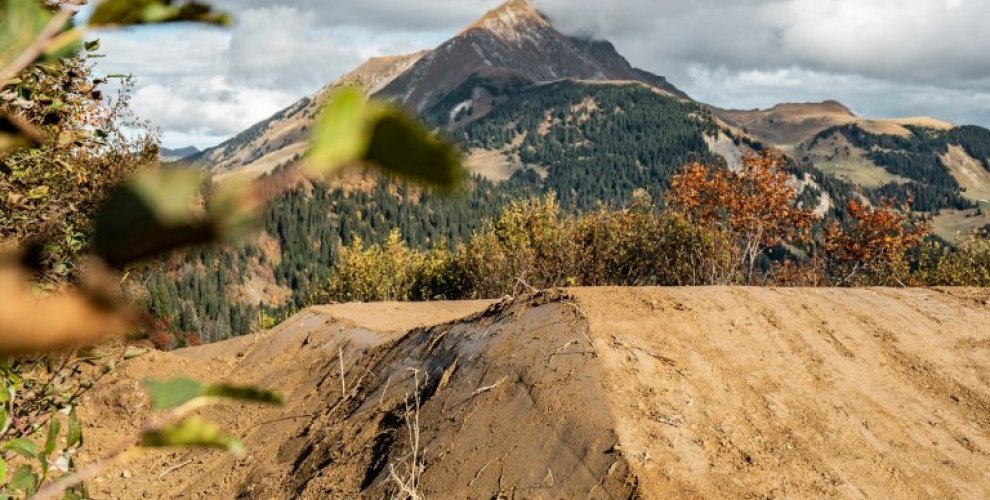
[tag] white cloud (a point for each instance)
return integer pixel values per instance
(212, 107)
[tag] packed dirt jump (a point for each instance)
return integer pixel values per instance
(588, 393)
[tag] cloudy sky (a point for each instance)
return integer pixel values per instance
(883, 58)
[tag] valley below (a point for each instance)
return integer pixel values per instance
(588, 392)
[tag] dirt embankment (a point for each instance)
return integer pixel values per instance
(602, 393)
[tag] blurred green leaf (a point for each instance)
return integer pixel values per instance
(3, 471)
(341, 134)
(153, 213)
(16, 133)
(193, 431)
(73, 438)
(247, 394)
(52, 439)
(21, 21)
(401, 145)
(235, 208)
(24, 480)
(130, 12)
(64, 44)
(22, 447)
(159, 211)
(351, 129)
(168, 394)
(93, 45)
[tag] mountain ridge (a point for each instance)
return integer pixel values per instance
(510, 46)
(790, 124)
(175, 154)
(513, 42)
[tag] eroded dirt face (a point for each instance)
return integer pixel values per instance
(603, 393)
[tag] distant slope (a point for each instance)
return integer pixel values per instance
(934, 167)
(591, 143)
(281, 139)
(793, 123)
(589, 393)
(177, 154)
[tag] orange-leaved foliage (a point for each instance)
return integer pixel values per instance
(875, 247)
(756, 205)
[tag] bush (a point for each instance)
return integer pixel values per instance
(528, 246)
(376, 273)
(639, 247)
(756, 206)
(390, 272)
(966, 265)
(438, 276)
(875, 249)
(532, 245)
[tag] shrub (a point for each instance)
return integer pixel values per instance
(875, 249)
(639, 247)
(528, 246)
(390, 272)
(532, 245)
(966, 265)
(88, 146)
(756, 206)
(374, 273)
(438, 276)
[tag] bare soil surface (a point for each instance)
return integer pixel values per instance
(589, 393)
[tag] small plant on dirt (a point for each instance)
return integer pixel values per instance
(174, 427)
(265, 321)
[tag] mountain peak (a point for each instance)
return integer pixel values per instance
(510, 16)
(513, 42)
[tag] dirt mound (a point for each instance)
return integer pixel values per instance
(599, 393)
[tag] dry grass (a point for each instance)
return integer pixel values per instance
(971, 174)
(955, 225)
(406, 477)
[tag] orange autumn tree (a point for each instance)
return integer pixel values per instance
(755, 206)
(875, 248)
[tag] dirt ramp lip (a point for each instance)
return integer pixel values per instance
(402, 316)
